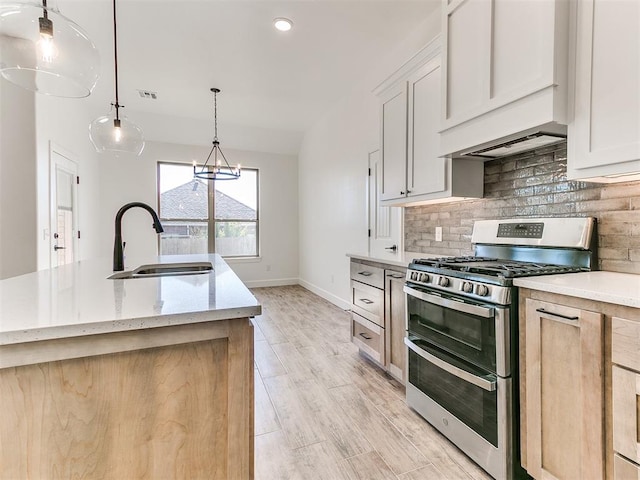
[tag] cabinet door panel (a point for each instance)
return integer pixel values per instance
(624, 469)
(426, 170)
(394, 144)
(625, 338)
(518, 67)
(626, 412)
(467, 55)
(615, 79)
(606, 128)
(564, 392)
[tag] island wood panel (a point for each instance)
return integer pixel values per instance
(177, 411)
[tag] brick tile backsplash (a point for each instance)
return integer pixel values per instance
(534, 184)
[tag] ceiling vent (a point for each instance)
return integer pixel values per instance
(148, 94)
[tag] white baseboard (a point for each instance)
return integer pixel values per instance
(339, 302)
(277, 282)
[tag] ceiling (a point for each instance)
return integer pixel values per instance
(268, 79)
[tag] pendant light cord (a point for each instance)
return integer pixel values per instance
(115, 54)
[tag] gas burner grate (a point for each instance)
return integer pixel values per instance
(494, 267)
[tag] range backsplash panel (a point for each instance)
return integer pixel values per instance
(535, 184)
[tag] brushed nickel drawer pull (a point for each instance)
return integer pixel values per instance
(365, 274)
(395, 275)
(364, 335)
(546, 312)
(366, 300)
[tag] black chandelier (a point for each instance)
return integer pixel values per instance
(217, 170)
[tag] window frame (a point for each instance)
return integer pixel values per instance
(211, 221)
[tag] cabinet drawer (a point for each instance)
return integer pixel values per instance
(625, 343)
(626, 412)
(368, 302)
(623, 469)
(368, 336)
(373, 276)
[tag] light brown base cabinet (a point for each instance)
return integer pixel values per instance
(168, 402)
(579, 388)
(625, 355)
(564, 379)
(378, 314)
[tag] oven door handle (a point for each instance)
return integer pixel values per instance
(486, 312)
(483, 383)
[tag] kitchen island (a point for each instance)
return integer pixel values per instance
(137, 378)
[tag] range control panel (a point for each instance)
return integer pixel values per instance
(520, 230)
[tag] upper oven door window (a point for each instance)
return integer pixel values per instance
(465, 329)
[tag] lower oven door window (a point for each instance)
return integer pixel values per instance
(473, 399)
(465, 329)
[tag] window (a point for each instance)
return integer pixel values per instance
(191, 208)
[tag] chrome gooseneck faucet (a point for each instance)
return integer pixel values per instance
(118, 248)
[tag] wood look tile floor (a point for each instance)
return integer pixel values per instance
(323, 411)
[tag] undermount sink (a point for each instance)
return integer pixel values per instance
(164, 270)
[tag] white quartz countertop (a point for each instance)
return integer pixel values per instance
(609, 287)
(78, 299)
(398, 259)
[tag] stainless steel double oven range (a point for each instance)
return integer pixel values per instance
(462, 331)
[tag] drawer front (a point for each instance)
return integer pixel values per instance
(373, 276)
(626, 412)
(368, 336)
(368, 302)
(625, 343)
(623, 469)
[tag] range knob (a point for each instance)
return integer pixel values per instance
(443, 281)
(467, 287)
(424, 277)
(482, 290)
(414, 276)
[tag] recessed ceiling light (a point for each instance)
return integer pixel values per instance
(282, 24)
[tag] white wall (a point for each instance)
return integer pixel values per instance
(18, 211)
(333, 162)
(63, 124)
(125, 180)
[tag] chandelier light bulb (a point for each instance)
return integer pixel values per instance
(117, 134)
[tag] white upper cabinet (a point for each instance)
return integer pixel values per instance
(394, 142)
(504, 70)
(412, 170)
(604, 137)
(425, 170)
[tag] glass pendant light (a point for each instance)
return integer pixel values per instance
(217, 170)
(43, 51)
(114, 132)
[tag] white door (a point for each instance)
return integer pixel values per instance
(385, 223)
(64, 210)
